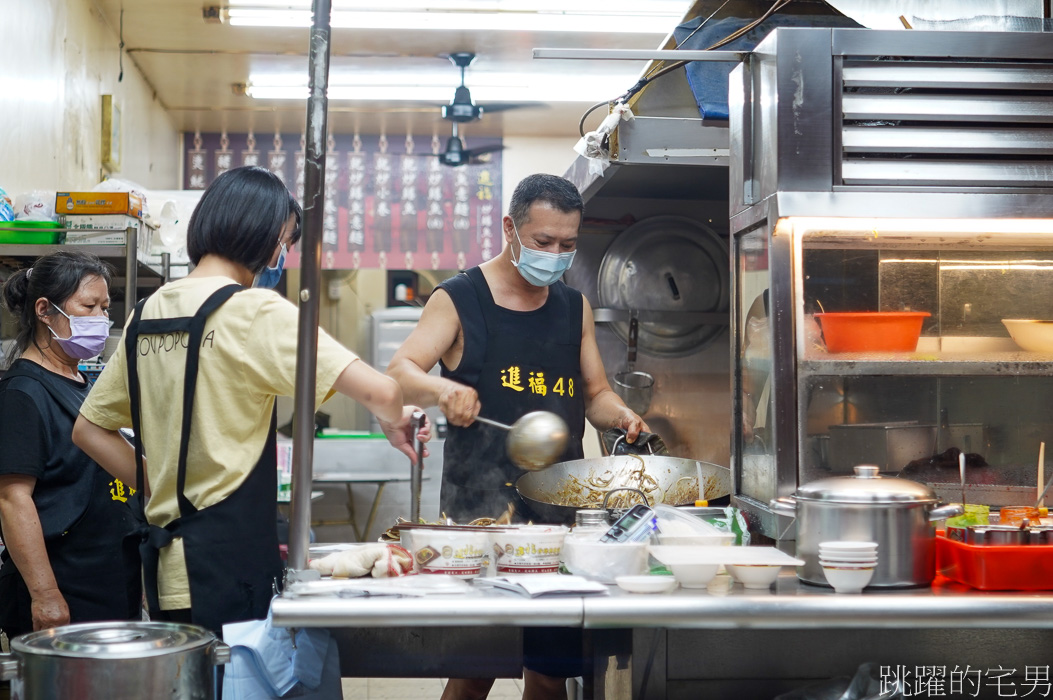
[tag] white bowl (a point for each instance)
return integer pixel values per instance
(848, 564)
(694, 575)
(848, 580)
(646, 584)
(847, 546)
(452, 551)
(754, 576)
(603, 561)
(528, 549)
(1031, 334)
(848, 556)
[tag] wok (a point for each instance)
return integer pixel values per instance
(556, 493)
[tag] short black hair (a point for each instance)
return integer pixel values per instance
(240, 218)
(553, 190)
(55, 277)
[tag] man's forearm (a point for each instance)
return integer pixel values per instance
(418, 387)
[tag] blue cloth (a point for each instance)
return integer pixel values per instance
(709, 79)
(268, 662)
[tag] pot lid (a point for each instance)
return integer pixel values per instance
(866, 486)
(114, 640)
(666, 263)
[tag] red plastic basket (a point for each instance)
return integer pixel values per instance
(1027, 567)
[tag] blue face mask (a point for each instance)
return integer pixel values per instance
(538, 267)
(270, 275)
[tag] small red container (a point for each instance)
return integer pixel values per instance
(872, 331)
(1025, 567)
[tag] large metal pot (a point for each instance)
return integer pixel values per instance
(898, 514)
(116, 661)
(557, 493)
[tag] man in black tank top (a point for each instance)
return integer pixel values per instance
(511, 338)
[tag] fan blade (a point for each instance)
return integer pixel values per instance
(480, 150)
(489, 107)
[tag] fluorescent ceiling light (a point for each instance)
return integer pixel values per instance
(491, 87)
(613, 16)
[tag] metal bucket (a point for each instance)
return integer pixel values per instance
(116, 661)
(635, 389)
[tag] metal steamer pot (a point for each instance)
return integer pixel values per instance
(116, 661)
(898, 514)
(557, 493)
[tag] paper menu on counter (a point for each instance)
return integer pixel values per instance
(538, 585)
(409, 586)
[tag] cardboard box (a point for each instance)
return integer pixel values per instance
(108, 229)
(99, 203)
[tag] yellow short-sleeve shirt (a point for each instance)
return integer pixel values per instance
(248, 357)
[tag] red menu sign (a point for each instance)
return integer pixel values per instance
(389, 205)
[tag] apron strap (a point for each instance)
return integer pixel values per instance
(195, 326)
(193, 354)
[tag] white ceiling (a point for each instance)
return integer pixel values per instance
(193, 66)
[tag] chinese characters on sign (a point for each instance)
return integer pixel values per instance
(965, 682)
(387, 205)
(535, 381)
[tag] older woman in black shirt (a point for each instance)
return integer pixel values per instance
(62, 518)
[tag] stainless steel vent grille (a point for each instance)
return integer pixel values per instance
(942, 124)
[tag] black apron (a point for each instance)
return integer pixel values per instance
(231, 548)
(518, 362)
(95, 566)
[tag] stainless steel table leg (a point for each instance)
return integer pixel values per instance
(373, 508)
(351, 512)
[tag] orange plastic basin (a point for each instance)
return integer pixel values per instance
(872, 331)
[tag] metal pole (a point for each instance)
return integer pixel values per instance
(131, 270)
(310, 272)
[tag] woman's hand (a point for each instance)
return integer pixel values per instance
(49, 609)
(459, 403)
(401, 433)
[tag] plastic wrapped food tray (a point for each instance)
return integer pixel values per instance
(1027, 567)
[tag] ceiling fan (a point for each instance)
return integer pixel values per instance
(455, 153)
(462, 109)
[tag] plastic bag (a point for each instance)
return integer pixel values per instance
(7, 210)
(732, 521)
(37, 205)
(114, 184)
(272, 662)
(867, 684)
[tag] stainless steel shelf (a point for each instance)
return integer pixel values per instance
(1026, 364)
(106, 252)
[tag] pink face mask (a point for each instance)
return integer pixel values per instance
(87, 335)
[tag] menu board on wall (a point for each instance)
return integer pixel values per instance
(388, 204)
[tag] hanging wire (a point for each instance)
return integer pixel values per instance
(120, 49)
(644, 81)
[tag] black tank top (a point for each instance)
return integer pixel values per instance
(518, 361)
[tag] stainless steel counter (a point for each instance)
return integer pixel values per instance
(689, 643)
(789, 604)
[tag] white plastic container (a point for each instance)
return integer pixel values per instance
(529, 549)
(450, 551)
(675, 527)
(603, 561)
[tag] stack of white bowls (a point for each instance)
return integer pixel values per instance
(848, 566)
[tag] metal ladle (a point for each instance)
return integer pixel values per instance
(536, 440)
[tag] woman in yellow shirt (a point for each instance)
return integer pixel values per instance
(196, 376)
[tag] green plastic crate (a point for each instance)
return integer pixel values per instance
(31, 232)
